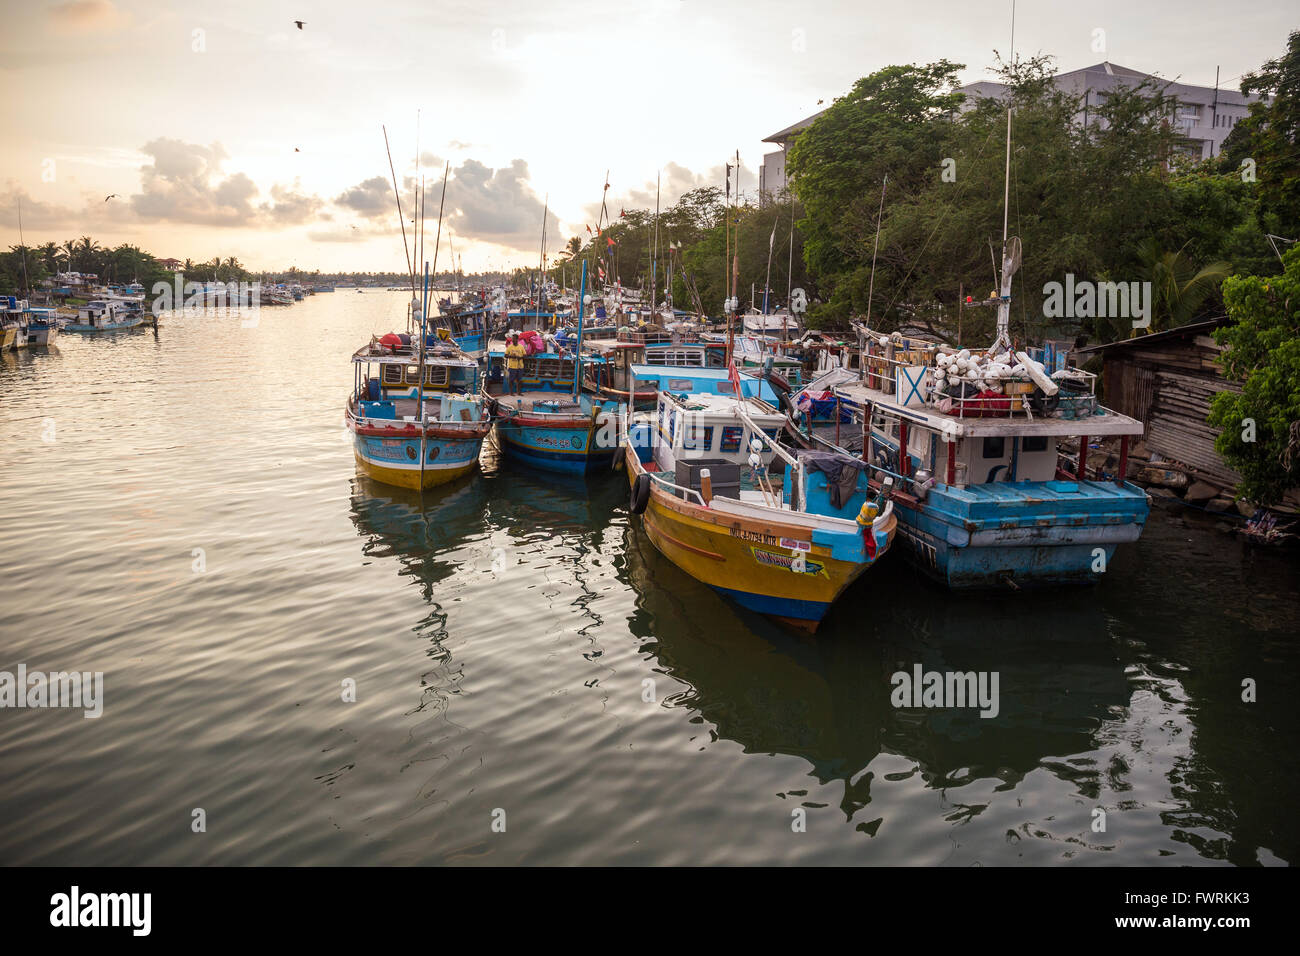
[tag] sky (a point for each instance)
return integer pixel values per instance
(222, 129)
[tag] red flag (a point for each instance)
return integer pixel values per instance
(622, 213)
(735, 378)
(588, 230)
(610, 240)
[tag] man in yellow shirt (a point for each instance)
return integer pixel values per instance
(515, 365)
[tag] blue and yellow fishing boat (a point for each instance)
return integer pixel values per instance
(784, 544)
(551, 425)
(417, 420)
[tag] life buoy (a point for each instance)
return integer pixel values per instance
(640, 494)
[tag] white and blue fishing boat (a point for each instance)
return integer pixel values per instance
(974, 439)
(105, 315)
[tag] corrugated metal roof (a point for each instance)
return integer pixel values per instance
(1191, 328)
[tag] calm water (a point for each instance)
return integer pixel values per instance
(501, 638)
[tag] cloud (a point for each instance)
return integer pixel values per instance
(36, 215)
(497, 205)
(369, 199)
(80, 16)
(676, 180)
(186, 184)
(291, 207)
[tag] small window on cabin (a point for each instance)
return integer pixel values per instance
(412, 375)
(679, 385)
(392, 375)
(729, 443)
(698, 437)
(994, 447)
(726, 388)
(1034, 443)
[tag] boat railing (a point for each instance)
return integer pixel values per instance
(978, 396)
(796, 466)
(663, 481)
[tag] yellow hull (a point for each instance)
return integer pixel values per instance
(751, 561)
(410, 477)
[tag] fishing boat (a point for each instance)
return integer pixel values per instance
(102, 315)
(551, 425)
(416, 421)
(42, 327)
(982, 499)
(13, 323)
(784, 544)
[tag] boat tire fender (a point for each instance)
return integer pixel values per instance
(640, 494)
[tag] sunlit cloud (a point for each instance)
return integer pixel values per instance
(81, 16)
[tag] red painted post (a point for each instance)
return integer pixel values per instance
(1123, 460)
(904, 460)
(1082, 473)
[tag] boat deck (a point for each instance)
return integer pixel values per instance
(529, 400)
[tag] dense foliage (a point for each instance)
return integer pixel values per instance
(1260, 435)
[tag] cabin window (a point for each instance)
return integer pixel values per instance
(412, 375)
(1034, 443)
(698, 437)
(679, 385)
(729, 443)
(436, 375)
(392, 375)
(726, 388)
(994, 447)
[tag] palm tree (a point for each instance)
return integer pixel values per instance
(87, 251)
(1178, 288)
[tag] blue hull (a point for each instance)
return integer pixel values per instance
(560, 450)
(777, 607)
(1026, 534)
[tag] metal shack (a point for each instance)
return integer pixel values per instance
(1167, 380)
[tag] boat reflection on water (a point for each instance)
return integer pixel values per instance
(419, 531)
(827, 698)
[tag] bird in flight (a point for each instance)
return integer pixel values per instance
(299, 23)
(297, 150)
(113, 196)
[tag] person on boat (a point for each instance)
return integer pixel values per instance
(514, 365)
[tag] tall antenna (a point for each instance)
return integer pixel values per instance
(410, 266)
(27, 282)
(871, 284)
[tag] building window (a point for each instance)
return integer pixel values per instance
(1033, 443)
(994, 447)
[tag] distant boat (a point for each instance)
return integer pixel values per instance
(103, 315)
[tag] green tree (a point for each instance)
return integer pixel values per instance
(1270, 137)
(1260, 426)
